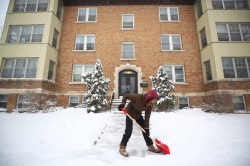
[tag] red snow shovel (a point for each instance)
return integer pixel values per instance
(163, 147)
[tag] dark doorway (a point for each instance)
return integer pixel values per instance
(127, 82)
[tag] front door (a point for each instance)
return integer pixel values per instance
(127, 82)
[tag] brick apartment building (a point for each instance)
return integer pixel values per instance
(204, 46)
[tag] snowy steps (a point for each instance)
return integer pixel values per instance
(110, 138)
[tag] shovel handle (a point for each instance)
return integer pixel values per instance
(142, 129)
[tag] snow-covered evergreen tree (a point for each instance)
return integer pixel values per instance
(98, 86)
(163, 86)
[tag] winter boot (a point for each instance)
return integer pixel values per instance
(151, 148)
(123, 151)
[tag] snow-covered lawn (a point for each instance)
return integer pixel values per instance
(66, 137)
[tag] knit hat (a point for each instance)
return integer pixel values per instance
(151, 94)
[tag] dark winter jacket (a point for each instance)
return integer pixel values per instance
(136, 105)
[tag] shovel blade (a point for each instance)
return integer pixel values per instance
(163, 147)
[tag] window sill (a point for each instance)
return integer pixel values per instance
(77, 83)
(85, 22)
(172, 50)
(170, 21)
(83, 50)
(128, 29)
(180, 83)
(27, 79)
(127, 59)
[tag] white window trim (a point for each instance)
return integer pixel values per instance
(223, 4)
(183, 97)
(73, 96)
(86, 17)
(234, 67)
(173, 73)
(133, 22)
(171, 42)
(133, 51)
(20, 34)
(14, 67)
(228, 31)
(25, 8)
(169, 16)
(85, 43)
(83, 71)
(244, 101)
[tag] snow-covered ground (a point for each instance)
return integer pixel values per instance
(66, 138)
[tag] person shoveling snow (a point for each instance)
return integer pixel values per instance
(138, 103)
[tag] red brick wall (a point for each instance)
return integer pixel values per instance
(12, 101)
(24, 84)
(146, 36)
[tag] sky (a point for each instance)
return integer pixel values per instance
(3, 9)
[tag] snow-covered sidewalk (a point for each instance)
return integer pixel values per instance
(66, 138)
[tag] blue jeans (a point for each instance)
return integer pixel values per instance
(129, 129)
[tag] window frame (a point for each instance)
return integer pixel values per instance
(20, 34)
(203, 37)
(242, 103)
(70, 101)
(183, 97)
(234, 67)
(14, 68)
(133, 22)
(171, 44)
(83, 71)
(51, 70)
(4, 101)
(26, 4)
(87, 14)
(173, 73)
(208, 70)
(169, 14)
(133, 51)
(228, 31)
(55, 38)
(236, 7)
(85, 40)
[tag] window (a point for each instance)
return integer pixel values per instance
(245, 28)
(236, 67)
(128, 50)
(3, 101)
(59, 9)
(183, 102)
(175, 72)
(30, 5)
(55, 38)
(169, 14)
(19, 68)
(85, 42)
(230, 4)
(127, 21)
(208, 70)
(51, 70)
(233, 32)
(203, 37)
(238, 103)
(86, 15)
(199, 8)
(25, 34)
(78, 70)
(73, 101)
(171, 42)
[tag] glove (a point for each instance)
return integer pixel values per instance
(147, 131)
(121, 106)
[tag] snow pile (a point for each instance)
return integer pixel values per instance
(65, 138)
